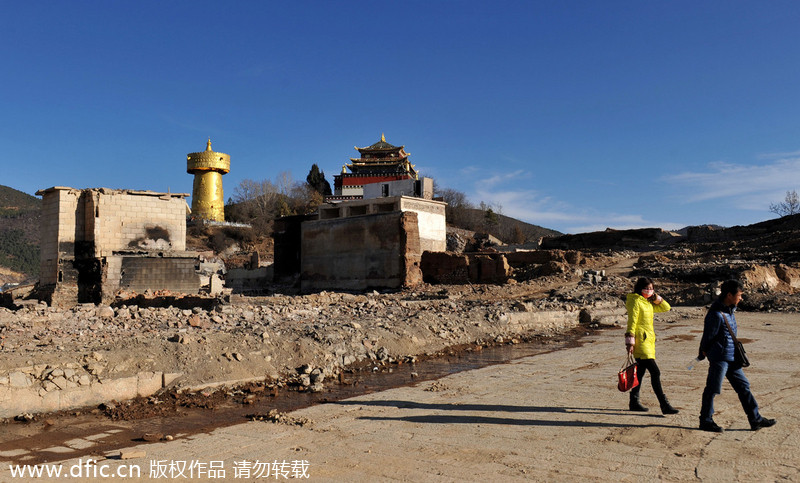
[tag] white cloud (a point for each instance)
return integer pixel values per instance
(527, 205)
(505, 178)
(779, 155)
(468, 171)
(532, 207)
(747, 186)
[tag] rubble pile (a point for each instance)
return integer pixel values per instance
(47, 348)
(691, 274)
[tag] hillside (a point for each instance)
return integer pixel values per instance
(14, 202)
(19, 235)
(507, 229)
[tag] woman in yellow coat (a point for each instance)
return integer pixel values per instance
(640, 339)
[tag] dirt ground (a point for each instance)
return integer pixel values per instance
(555, 416)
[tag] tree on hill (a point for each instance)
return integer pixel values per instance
(19, 231)
(260, 202)
(14, 202)
(316, 179)
(789, 206)
(17, 253)
(453, 198)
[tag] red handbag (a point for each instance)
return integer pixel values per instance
(628, 379)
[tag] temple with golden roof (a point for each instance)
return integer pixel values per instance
(378, 163)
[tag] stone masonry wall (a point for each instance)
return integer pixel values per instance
(125, 221)
(430, 216)
(453, 268)
(60, 227)
(86, 234)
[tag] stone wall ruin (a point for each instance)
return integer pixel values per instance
(95, 242)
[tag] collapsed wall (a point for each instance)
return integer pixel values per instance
(97, 241)
(492, 267)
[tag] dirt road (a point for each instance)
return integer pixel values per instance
(550, 417)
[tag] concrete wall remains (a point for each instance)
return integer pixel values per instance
(487, 267)
(96, 241)
(419, 188)
(431, 224)
(381, 250)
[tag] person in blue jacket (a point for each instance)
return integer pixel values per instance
(717, 346)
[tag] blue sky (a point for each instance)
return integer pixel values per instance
(573, 115)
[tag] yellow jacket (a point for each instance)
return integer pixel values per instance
(640, 324)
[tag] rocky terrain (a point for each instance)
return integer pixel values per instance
(306, 341)
(302, 340)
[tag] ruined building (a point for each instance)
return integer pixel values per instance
(370, 243)
(371, 233)
(95, 242)
(380, 162)
(208, 201)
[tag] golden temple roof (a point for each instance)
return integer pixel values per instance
(381, 145)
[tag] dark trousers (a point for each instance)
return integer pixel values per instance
(717, 370)
(650, 366)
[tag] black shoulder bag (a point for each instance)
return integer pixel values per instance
(739, 355)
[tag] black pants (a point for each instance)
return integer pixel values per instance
(650, 366)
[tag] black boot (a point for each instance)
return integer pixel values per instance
(666, 408)
(635, 405)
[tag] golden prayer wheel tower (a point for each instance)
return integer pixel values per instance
(208, 202)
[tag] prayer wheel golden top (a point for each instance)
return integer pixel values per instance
(208, 160)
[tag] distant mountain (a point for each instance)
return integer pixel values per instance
(19, 232)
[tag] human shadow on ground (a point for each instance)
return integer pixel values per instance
(493, 408)
(447, 419)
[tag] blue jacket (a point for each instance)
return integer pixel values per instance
(717, 342)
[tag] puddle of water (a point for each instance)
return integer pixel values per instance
(43, 441)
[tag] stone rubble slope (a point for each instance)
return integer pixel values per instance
(88, 349)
